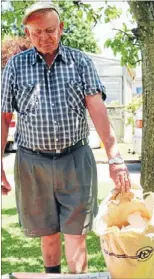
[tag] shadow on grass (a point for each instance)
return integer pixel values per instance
(10, 211)
(19, 246)
(10, 267)
(23, 253)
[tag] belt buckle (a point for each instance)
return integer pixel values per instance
(83, 143)
(58, 151)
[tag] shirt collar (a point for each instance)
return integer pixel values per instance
(35, 56)
(61, 55)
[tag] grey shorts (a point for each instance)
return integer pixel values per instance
(56, 195)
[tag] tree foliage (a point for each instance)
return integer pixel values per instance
(111, 13)
(12, 46)
(135, 104)
(79, 19)
(132, 107)
(125, 42)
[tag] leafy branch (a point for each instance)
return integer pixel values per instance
(125, 43)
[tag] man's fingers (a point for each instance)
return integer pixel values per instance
(128, 183)
(5, 191)
(117, 184)
(122, 183)
(121, 178)
(6, 187)
(125, 183)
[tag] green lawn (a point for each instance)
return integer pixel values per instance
(23, 254)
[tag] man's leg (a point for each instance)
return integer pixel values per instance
(76, 253)
(51, 252)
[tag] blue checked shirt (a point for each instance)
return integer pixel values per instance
(49, 101)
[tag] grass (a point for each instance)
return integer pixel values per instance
(21, 254)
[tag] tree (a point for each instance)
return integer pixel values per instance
(130, 43)
(144, 15)
(79, 20)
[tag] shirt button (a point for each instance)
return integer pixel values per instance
(56, 139)
(53, 104)
(48, 72)
(55, 122)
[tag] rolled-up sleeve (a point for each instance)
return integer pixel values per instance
(91, 81)
(7, 88)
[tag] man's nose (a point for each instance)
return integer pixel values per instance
(44, 35)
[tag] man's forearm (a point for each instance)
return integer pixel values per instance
(98, 113)
(6, 119)
(104, 129)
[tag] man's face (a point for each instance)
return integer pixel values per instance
(44, 31)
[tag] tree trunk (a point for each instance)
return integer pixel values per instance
(144, 14)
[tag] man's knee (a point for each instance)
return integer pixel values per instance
(50, 238)
(74, 243)
(75, 237)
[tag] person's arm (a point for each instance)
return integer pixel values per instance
(98, 113)
(5, 121)
(8, 90)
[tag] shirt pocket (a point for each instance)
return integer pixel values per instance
(27, 99)
(75, 95)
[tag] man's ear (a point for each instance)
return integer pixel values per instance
(61, 27)
(27, 32)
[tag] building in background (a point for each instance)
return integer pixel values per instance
(118, 82)
(137, 91)
(137, 84)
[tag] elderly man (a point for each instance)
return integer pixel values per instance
(50, 86)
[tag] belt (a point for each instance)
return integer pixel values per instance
(56, 153)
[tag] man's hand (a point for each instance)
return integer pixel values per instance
(5, 122)
(6, 187)
(120, 177)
